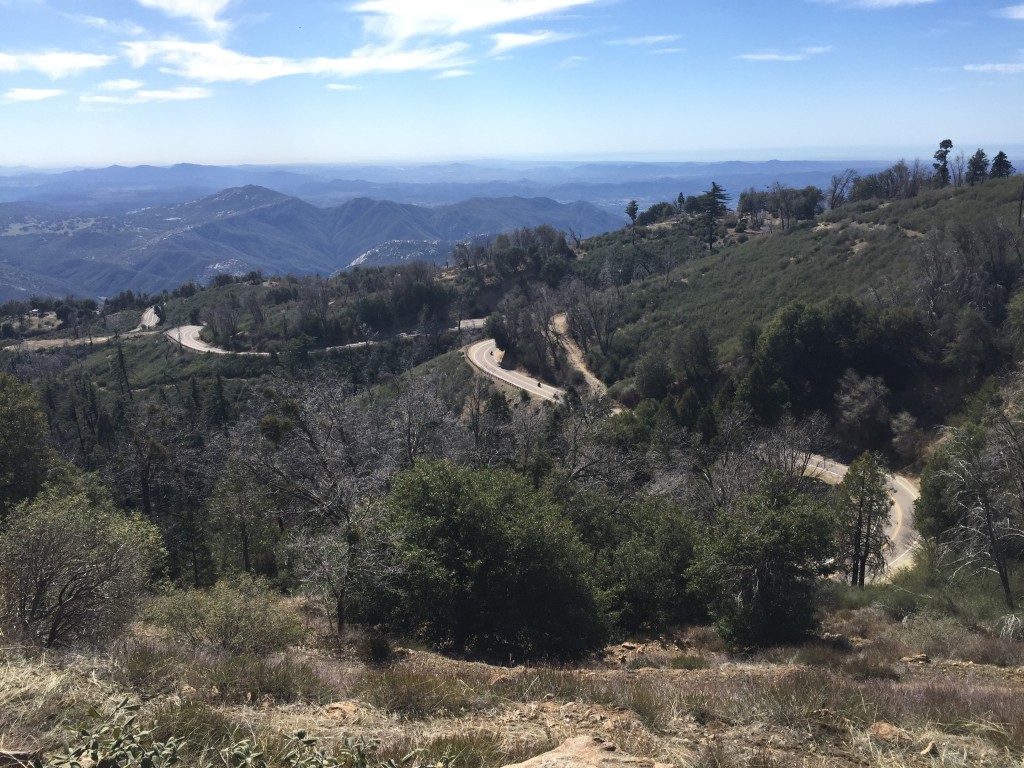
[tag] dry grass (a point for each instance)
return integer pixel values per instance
(803, 705)
(41, 696)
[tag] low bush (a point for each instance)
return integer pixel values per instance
(148, 667)
(374, 649)
(252, 680)
(241, 615)
(416, 693)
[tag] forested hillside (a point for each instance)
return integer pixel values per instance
(233, 529)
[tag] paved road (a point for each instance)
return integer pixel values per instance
(485, 356)
(187, 336)
(904, 493)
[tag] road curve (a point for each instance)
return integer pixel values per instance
(483, 355)
(900, 531)
(187, 337)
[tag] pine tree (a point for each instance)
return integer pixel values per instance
(1001, 167)
(713, 203)
(977, 168)
(864, 506)
(941, 164)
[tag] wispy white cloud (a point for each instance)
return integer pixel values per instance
(53, 64)
(646, 40)
(145, 97)
(1011, 12)
(400, 20)
(373, 59)
(507, 41)
(121, 85)
(208, 62)
(802, 55)
(342, 87)
(571, 61)
(875, 5)
(203, 12)
(213, 63)
(668, 50)
(129, 28)
(1014, 68)
(31, 94)
(452, 73)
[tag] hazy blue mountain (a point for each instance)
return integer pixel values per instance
(46, 249)
(609, 185)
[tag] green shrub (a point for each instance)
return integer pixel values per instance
(418, 693)
(374, 648)
(492, 567)
(688, 662)
(241, 615)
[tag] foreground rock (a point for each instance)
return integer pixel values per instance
(588, 752)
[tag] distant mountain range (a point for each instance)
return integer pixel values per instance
(100, 231)
(607, 185)
(47, 250)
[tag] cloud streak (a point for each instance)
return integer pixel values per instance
(878, 5)
(508, 41)
(53, 64)
(203, 12)
(1015, 68)
(117, 27)
(801, 55)
(401, 20)
(20, 95)
(1015, 12)
(213, 63)
(646, 40)
(146, 97)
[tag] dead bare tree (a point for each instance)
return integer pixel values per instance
(983, 472)
(839, 187)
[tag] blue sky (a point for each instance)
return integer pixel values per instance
(266, 81)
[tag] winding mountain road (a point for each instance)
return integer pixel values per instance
(187, 337)
(485, 356)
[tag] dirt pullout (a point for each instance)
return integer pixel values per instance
(576, 357)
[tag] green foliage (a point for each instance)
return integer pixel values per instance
(119, 740)
(73, 567)
(758, 568)
(1001, 166)
(240, 614)
(24, 453)
(374, 648)
(491, 567)
(863, 504)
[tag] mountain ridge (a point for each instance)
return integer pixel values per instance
(249, 228)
